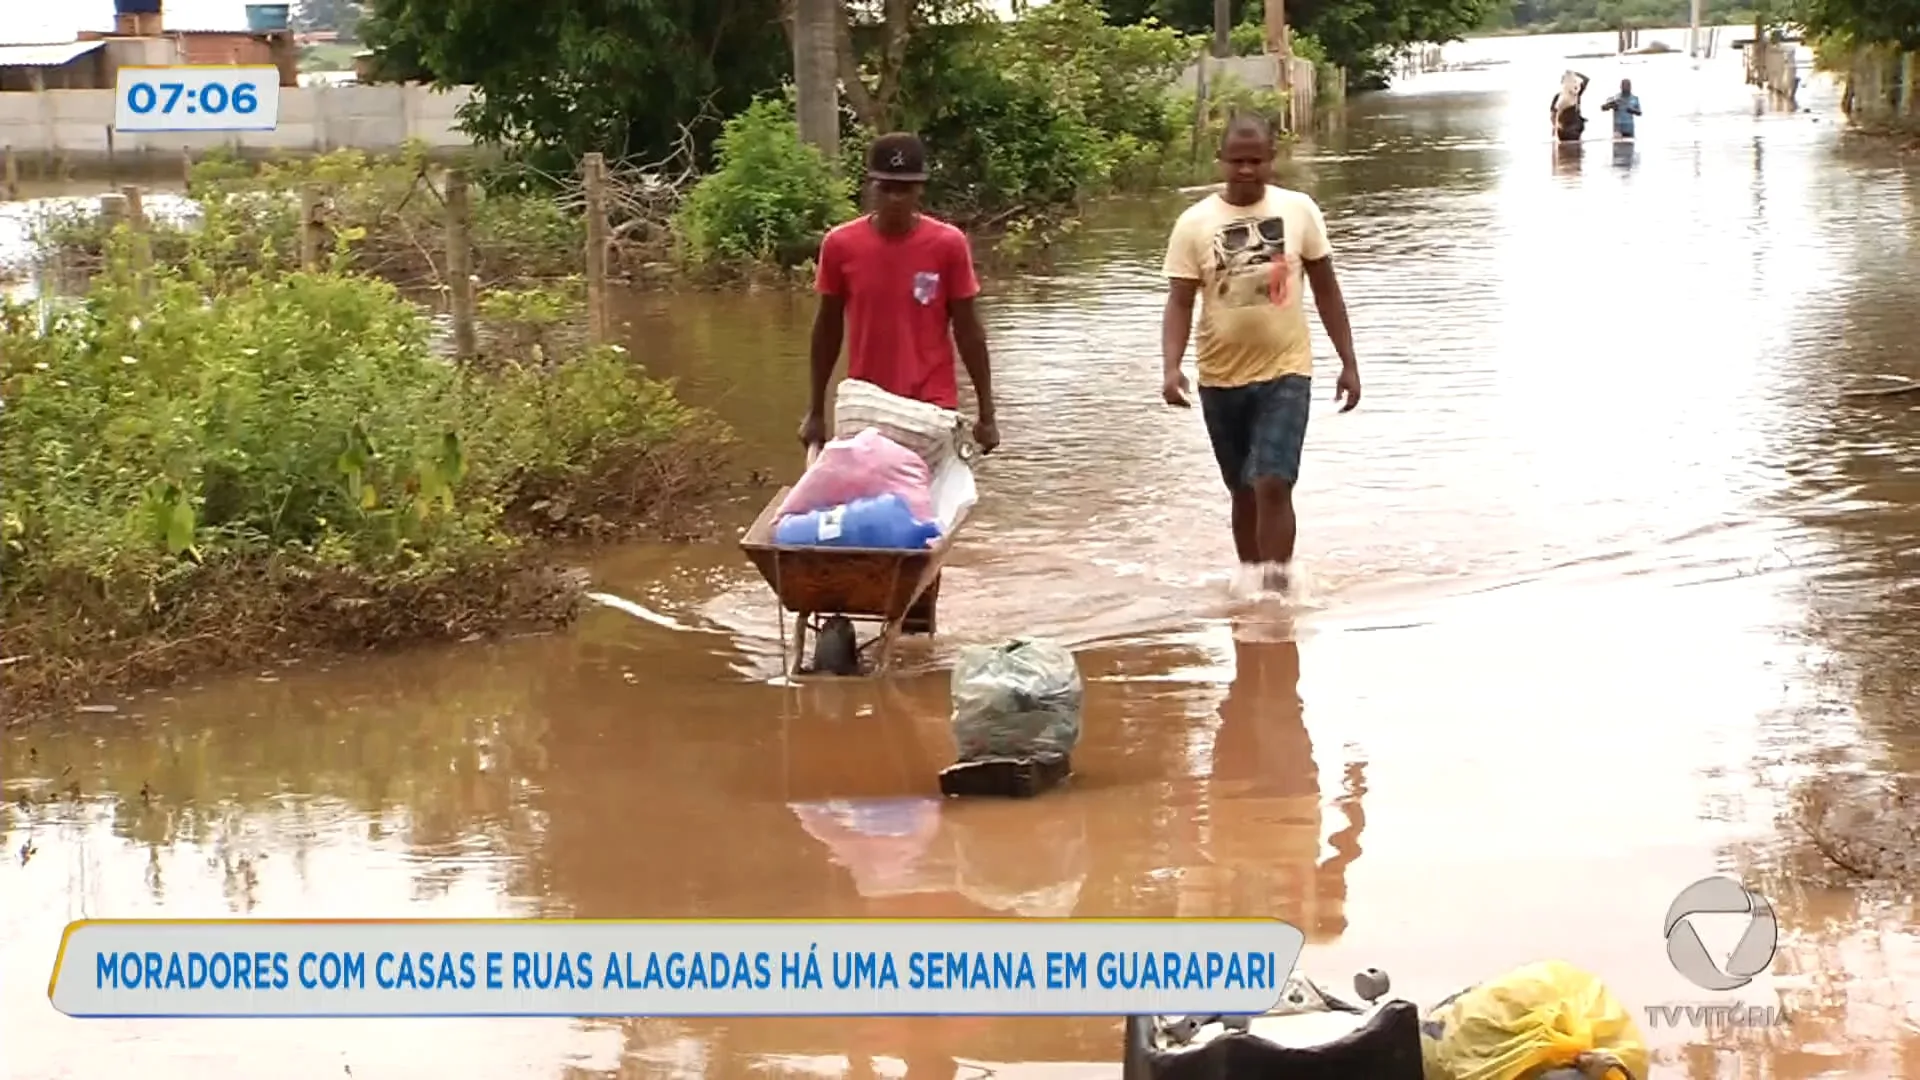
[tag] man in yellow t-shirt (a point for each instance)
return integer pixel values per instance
(1247, 252)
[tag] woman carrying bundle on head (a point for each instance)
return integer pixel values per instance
(1568, 124)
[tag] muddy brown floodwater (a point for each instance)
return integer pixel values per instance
(1605, 577)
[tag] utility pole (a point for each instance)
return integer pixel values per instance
(1693, 31)
(1223, 28)
(1279, 41)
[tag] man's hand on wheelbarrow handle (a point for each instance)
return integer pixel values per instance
(986, 434)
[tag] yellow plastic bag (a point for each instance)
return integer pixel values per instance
(1545, 1015)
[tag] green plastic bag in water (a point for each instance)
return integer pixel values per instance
(1018, 699)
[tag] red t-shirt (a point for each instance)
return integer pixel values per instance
(897, 290)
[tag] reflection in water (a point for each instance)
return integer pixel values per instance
(1600, 595)
(1262, 837)
(1567, 158)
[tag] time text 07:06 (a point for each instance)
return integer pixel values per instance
(198, 98)
(143, 98)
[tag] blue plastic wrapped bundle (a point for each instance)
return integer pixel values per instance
(881, 522)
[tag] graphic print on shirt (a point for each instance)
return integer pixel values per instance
(1250, 263)
(926, 284)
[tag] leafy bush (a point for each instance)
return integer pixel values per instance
(770, 199)
(305, 413)
(182, 431)
(1042, 110)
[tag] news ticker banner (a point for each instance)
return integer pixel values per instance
(671, 968)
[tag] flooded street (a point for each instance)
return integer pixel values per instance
(1605, 578)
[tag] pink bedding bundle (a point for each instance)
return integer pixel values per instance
(863, 466)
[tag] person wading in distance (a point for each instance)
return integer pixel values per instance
(1624, 106)
(1247, 251)
(899, 286)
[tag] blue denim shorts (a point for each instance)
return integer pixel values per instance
(1258, 429)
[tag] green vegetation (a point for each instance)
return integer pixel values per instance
(1359, 37)
(388, 210)
(224, 458)
(329, 57)
(1894, 24)
(1023, 121)
(567, 77)
(770, 199)
(1874, 45)
(339, 16)
(1036, 114)
(1595, 16)
(1023, 118)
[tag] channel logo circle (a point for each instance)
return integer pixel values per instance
(1720, 896)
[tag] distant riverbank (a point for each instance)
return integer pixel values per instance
(1740, 17)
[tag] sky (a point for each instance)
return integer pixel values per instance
(24, 22)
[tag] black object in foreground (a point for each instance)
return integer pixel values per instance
(1011, 778)
(1385, 1047)
(1378, 1043)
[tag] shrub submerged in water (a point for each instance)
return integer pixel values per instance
(285, 462)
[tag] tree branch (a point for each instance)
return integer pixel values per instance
(851, 84)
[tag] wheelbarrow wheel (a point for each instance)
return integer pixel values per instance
(836, 649)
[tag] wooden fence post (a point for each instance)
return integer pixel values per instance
(597, 242)
(137, 224)
(460, 264)
(312, 237)
(1201, 111)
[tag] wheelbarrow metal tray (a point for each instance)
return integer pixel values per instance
(873, 583)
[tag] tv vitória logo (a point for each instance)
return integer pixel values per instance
(1720, 896)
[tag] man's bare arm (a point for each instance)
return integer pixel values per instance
(1176, 323)
(1333, 308)
(829, 326)
(970, 337)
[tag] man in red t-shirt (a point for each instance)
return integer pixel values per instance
(899, 287)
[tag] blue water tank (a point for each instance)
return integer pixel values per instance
(268, 18)
(136, 7)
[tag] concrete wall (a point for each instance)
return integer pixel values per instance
(76, 126)
(1262, 72)
(1259, 72)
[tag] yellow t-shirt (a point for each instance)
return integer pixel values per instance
(1251, 265)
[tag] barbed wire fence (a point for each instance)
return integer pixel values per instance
(427, 229)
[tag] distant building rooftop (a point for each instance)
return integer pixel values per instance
(46, 55)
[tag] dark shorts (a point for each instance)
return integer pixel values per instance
(1258, 429)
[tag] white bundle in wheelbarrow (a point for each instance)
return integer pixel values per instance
(925, 428)
(1016, 717)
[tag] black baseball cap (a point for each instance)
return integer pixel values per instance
(898, 155)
